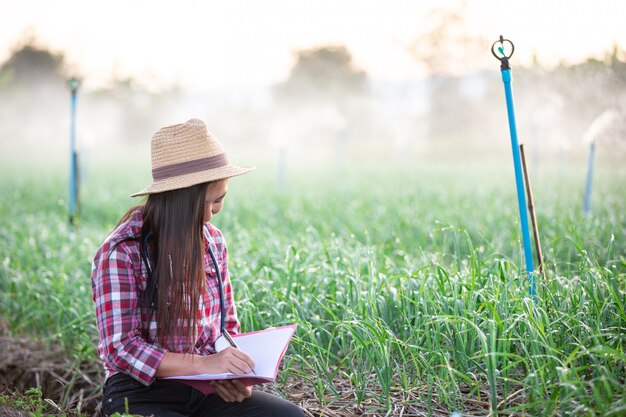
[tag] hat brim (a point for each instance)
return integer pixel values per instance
(188, 180)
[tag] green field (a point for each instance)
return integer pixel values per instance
(408, 286)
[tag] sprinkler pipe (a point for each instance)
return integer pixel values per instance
(599, 127)
(519, 179)
(73, 195)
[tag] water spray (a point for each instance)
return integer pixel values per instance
(597, 128)
(503, 57)
(587, 201)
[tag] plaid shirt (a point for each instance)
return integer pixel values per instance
(118, 279)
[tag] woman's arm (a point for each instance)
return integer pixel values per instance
(228, 360)
(118, 316)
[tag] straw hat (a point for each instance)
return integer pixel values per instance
(187, 154)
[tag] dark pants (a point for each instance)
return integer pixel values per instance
(165, 398)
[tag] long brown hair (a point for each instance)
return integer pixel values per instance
(175, 219)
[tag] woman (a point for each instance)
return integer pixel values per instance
(163, 295)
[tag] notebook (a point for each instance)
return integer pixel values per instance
(265, 347)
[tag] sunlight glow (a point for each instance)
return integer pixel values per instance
(245, 43)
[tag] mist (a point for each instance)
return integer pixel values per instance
(327, 116)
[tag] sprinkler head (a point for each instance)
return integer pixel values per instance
(73, 84)
(503, 57)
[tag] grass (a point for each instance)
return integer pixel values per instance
(408, 288)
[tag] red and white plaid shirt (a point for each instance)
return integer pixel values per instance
(118, 279)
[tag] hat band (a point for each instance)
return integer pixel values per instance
(189, 167)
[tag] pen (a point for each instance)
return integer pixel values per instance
(230, 340)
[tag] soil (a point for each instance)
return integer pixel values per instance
(75, 389)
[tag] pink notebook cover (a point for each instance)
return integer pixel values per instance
(204, 385)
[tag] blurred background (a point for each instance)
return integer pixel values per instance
(325, 85)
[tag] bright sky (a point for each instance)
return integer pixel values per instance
(239, 43)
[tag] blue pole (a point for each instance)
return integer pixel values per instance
(519, 179)
(73, 155)
(592, 151)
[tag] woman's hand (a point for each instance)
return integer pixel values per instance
(230, 360)
(231, 390)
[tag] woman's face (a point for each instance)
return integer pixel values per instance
(215, 194)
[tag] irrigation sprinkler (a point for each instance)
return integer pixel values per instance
(521, 199)
(73, 198)
(592, 153)
(599, 125)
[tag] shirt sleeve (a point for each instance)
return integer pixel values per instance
(118, 317)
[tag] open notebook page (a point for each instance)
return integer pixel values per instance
(265, 347)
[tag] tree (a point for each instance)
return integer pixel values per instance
(446, 50)
(32, 66)
(318, 104)
(324, 72)
(445, 46)
(590, 88)
(33, 87)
